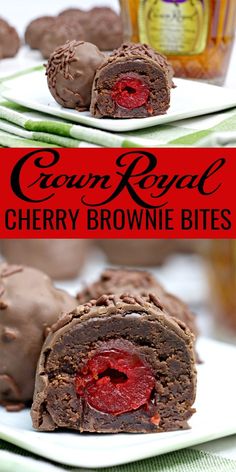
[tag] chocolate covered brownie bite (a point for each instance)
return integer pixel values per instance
(116, 364)
(134, 82)
(70, 73)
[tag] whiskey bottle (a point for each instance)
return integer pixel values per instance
(196, 35)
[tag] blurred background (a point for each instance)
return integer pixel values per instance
(201, 272)
(20, 13)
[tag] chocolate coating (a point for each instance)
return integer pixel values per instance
(29, 303)
(139, 62)
(117, 281)
(142, 325)
(36, 29)
(104, 29)
(59, 258)
(60, 32)
(9, 40)
(70, 73)
(146, 252)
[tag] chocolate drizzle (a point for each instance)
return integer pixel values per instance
(60, 61)
(138, 51)
(141, 284)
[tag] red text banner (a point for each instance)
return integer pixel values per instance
(114, 193)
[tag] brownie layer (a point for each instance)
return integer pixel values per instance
(144, 328)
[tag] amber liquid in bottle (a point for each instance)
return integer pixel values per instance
(222, 258)
(216, 30)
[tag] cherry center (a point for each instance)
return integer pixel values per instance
(115, 381)
(130, 92)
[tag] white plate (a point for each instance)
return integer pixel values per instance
(215, 418)
(189, 99)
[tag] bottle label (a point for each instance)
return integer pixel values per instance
(177, 27)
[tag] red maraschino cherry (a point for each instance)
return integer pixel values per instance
(115, 382)
(130, 92)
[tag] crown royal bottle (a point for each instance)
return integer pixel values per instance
(196, 35)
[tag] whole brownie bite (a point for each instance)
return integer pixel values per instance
(116, 364)
(134, 82)
(138, 282)
(59, 258)
(59, 33)
(104, 28)
(9, 40)
(29, 304)
(36, 29)
(70, 73)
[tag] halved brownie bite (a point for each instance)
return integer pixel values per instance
(134, 82)
(116, 364)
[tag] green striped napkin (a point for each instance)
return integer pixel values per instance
(217, 129)
(14, 459)
(214, 130)
(10, 140)
(18, 125)
(45, 128)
